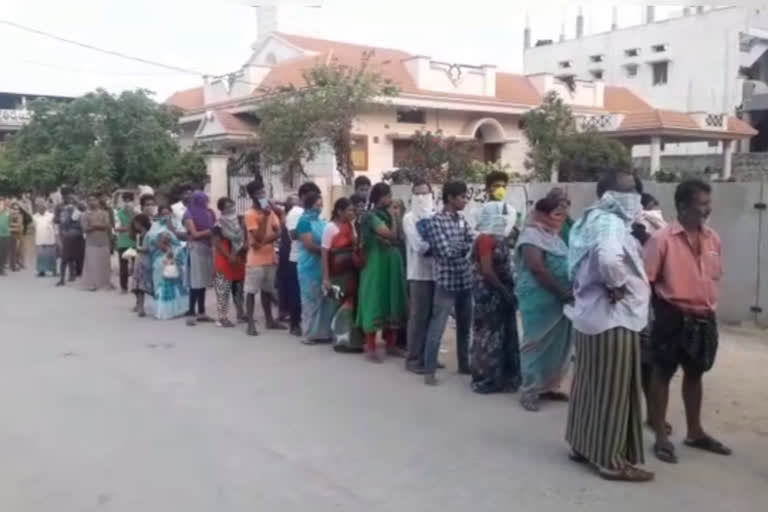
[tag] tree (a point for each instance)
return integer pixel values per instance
(584, 156)
(435, 158)
(297, 121)
(97, 141)
(546, 127)
(560, 153)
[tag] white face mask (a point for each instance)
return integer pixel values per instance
(629, 201)
(422, 205)
(152, 211)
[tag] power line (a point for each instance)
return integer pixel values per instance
(101, 50)
(92, 71)
(120, 54)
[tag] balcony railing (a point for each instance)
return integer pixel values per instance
(599, 122)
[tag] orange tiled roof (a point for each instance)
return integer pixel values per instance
(657, 120)
(189, 99)
(513, 89)
(621, 99)
(233, 123)
(736, 125)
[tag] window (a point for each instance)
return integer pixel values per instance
(713, 143)
(565, 64)
(660, 72)
(632, 52)
(412, 115)
(597, 74)
(631, 70)
(659, 48)
(663, 146)
(359, 152)
(596, 58)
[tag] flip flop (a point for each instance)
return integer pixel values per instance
(578, 458)
(708, 444)
(626, 474)
(554, 396)
(665, 452)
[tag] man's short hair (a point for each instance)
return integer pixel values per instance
(362, 181)
(453, 189)
(308, 187)
(685, 193)
(494, 177)
(611, 177)
(420, 181)
(254, 187)
(146, 197)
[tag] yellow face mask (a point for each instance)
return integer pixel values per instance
(499, 193)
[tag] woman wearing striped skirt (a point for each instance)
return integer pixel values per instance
(610, 309)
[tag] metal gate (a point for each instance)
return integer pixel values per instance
(241, 170)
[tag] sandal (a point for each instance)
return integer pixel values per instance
(665, 452)
(578, 458)
(224, 322)
(554, 396)
(628, 473)
(708, 444)
(530, 403)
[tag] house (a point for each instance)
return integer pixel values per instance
(469, 102)
(14, 113)
(702, 59)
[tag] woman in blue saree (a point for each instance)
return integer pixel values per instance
(316, 310)
(543, 288)
(169, 262)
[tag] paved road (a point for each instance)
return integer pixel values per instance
(106, 412)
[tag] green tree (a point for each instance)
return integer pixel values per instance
(436, 158)
(97, 141)
(546, 127)
(295, 121)
(584, 156)
(560, 153)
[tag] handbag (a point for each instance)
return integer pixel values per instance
(130, 254)
(171, 270)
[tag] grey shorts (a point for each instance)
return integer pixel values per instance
(260, 279)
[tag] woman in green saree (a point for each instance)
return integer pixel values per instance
(382, 296)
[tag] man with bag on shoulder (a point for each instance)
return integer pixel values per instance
(684, 265)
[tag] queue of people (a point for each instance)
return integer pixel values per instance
(632, 296)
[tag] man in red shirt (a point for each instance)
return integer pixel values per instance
(684, 266)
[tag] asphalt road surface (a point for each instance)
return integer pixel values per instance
(106, 412)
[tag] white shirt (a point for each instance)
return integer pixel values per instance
(330, 231)
(44, 229)
(291, 221)
(609, 264)
(179, 210)
(419, 267)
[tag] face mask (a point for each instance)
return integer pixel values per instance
(629, 202)
(422, 204)
(230, 212)
(499, 193)
(152, 211)
(263, 203)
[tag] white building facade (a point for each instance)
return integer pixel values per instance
(700, 62)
